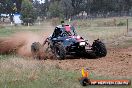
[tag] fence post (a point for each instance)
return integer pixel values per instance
(28, 24)
(127, 26)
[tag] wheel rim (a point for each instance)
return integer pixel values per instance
(57, 52)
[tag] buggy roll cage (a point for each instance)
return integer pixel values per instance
(66, 30)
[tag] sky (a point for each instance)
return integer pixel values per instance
(41, 1)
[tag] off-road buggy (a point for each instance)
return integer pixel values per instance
(65, 41)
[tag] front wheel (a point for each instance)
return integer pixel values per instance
(99, 48)
(59, 51)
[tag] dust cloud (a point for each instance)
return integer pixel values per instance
(20, 43)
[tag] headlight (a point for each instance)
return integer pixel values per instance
(78, 37)
(82, 43)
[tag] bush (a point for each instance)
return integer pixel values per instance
(28, 21)
(55, 21)
(121, 24)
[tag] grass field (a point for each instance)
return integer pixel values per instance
(21, 72)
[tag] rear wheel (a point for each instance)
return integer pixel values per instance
(99, 48)
(35, 49)
(59, 51)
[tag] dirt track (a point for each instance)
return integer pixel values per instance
(116, 64)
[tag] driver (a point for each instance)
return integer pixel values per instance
(62, 23)
(57, 30)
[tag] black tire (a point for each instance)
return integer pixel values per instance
(99, 48)
(59, 51)
(35, 47)
(85, 82)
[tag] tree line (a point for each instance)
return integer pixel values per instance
(64, 8)
(69, 8)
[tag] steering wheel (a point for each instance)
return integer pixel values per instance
(64, 34)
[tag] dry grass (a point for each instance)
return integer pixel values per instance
(55, 21)
(25, 73)
(101, 22)
(106, 29)
(106, 34)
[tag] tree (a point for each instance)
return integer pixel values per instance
(41, 8)
(55, 10)
(78, 6)
(37, 6)
(66, 8)
(28, 14)
(10, 7)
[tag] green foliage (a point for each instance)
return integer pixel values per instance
(6, 6)
(66, 7)
(10, 6)
(28, 12)
(54, 9)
